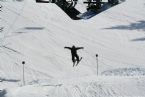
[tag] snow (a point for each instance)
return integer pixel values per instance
(37, 34)
(91, 86)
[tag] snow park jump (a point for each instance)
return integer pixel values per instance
(38, 59)
(93, 7)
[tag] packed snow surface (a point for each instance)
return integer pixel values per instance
(37, 34)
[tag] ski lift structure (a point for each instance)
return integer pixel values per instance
(93, 7)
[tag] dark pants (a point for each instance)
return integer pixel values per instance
(75, 58)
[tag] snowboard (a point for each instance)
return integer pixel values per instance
(79, 61)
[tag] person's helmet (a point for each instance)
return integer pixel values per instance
(73, 46)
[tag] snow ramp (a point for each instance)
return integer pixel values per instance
(38, 33)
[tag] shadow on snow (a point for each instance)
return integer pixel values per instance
(3, 93)
(8, 80)
(34, 28)
(139, 39)
(140, 25)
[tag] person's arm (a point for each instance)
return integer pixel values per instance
(67, 47)
(41, 1)
(79, 48)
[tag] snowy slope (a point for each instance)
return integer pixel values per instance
(37, 34)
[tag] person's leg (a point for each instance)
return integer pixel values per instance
(77, 58)
(73, 60)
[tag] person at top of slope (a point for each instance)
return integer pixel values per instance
(75, 57)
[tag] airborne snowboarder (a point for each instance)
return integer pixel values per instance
(75, 57)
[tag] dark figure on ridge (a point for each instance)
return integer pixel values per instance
(75, 57)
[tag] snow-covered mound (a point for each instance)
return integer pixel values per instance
(85, 87)
(38, 33)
